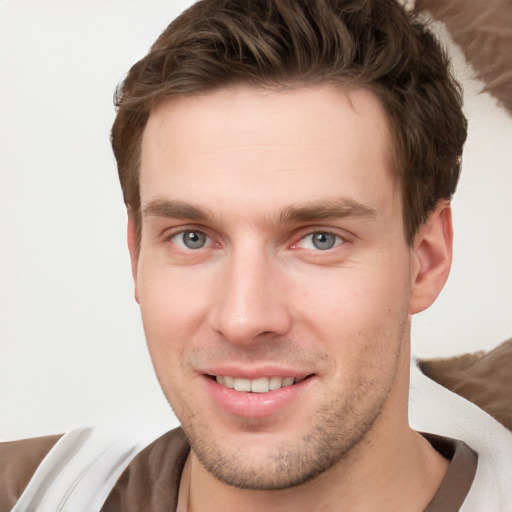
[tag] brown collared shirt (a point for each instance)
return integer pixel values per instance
(151, 481)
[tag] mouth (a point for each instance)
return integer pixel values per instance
(259, 385)
(258, 393)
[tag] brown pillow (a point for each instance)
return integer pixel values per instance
(482, 30)
(483, 378)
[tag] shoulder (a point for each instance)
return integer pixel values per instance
(130, 468)
(481, 379)
(18, 462)
(152, 477)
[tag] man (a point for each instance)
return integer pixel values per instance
(288, 166)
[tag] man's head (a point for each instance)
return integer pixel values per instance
(280, 44)
(271, 154)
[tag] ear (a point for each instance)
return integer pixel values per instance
(432, 258)
(133, 247)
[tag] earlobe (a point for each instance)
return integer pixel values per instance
(432, 258)
(134, 250)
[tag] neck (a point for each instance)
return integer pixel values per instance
(404, 476)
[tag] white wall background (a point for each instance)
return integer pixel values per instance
(72, 350)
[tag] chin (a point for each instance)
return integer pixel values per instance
(254, 460)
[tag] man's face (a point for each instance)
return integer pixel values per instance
(273, 256)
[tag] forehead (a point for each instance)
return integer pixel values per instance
(260, 147)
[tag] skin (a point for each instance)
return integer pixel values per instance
(254, 174)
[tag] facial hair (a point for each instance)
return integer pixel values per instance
(339, 425)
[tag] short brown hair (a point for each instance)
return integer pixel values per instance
(373, 44)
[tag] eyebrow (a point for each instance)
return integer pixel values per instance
(175, 209)
(327, 209)
(314, 211)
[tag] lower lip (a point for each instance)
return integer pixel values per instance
(254, 405)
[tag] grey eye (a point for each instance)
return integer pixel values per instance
(323, 241)
(193, 239)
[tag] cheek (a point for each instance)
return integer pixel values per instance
(357, 308)
(171, 296)
(352, 294)
(173, 308)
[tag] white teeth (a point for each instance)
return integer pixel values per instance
(229, 382)
(242, 385)
(261, 385)
(275, 383)
(288, 381)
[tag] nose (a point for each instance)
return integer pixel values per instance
(251, 300)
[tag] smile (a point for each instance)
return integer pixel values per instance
(260, 385)
(264, 396)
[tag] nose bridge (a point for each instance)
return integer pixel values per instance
(251, 300)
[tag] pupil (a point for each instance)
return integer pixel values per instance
(324, 241)
(193, 240)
